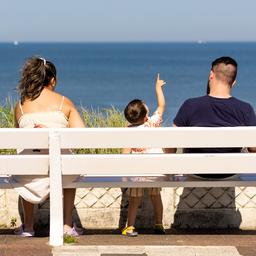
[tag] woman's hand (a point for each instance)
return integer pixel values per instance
(39, 126)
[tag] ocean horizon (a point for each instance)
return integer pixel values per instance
(101, 75)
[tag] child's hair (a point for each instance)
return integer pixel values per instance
(36, 74)
(135, 111)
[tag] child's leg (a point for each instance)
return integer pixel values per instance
(158, 208)
(134, 203)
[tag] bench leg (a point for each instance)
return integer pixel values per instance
(56, 196)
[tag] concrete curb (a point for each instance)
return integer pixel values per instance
(145, 251)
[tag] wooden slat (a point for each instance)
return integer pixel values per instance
(24, 164)
(56, 191)
(163, 181)
(13, 138)
(185, 184)
(159, 164)
(160, 137)
(4, 182)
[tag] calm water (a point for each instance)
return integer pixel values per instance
(102, 75)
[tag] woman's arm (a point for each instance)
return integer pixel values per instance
(74, 118)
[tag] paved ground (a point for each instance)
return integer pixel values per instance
(244, 241)
(146, 251)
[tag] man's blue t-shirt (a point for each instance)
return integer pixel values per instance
(207, 111)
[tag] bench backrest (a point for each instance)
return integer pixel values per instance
(158, 163)
(24, 139)
(130, 164)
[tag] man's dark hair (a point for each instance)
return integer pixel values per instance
(225, 69)
(135, 111)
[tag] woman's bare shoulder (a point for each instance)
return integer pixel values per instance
(59, 98)
(68, 102)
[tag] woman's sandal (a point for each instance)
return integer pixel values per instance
(20, 232)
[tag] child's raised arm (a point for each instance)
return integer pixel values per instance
(160, 95)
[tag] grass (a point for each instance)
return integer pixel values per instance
(68, 239)
(109, 117)
(7, 121)
(7, 114)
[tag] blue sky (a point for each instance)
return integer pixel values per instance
(127, 20)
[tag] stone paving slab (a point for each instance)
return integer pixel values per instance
(243, 241)
(145, 251)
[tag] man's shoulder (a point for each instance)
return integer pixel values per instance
(196, 100)
(242, 105)
(241, 102)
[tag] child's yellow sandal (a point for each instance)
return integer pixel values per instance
(129, 231)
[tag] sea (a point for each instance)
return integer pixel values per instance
(103, 75)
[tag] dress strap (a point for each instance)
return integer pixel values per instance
(21, 108)
(61, 104)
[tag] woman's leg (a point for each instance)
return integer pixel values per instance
(28, 210)
(69, 199)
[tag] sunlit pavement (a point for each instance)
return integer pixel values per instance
(205, 242)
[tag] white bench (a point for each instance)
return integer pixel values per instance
(128, 170)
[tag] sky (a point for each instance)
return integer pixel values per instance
(127, 20)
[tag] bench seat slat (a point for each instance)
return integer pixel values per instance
(170, 181)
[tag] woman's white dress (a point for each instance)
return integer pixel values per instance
(36, 188)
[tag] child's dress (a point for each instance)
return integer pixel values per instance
(154, 121)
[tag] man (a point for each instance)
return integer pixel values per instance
(218, 108)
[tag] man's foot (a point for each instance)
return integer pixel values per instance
(159, 229)
(129, 231)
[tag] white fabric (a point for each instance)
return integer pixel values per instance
(35, 189)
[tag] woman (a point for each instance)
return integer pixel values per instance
(41, 106)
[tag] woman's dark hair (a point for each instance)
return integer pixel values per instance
(135, 111)
(36, 74)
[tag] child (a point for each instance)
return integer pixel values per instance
(136, 113)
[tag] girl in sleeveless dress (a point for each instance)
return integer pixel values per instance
(41, 106)
(137, 114)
